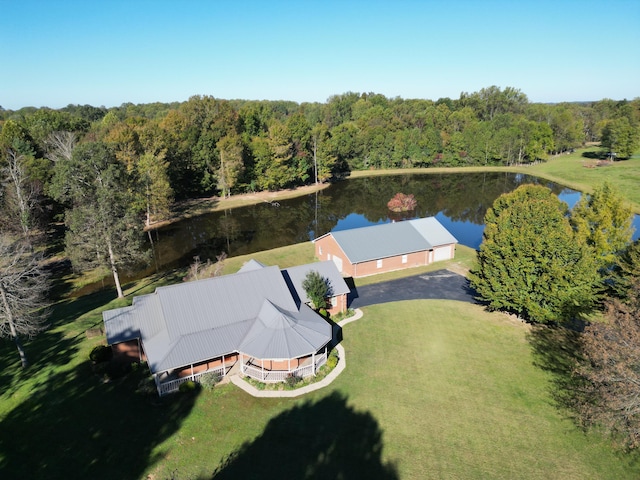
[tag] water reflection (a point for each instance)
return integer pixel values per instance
(459, 201)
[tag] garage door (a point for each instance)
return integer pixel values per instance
(338, 261)
(441, 253)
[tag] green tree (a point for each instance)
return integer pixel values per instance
(627, 270)
(619, 136)
(318, 289)
(530, 263)
(603, 221)
(275, 166)
(102, 220)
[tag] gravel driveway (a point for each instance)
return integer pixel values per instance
(442, 284)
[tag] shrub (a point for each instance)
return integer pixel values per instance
(187, 387)
(101, 353)
(209, 380)
(323, 312)
(402, 203)
(293, 380)
(332, 361)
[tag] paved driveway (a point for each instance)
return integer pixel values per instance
(441, 284)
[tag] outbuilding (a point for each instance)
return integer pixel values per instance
(387, 247)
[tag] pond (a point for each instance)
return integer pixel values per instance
(459, 201)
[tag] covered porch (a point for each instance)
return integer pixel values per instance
(170, 381)
(278, 370)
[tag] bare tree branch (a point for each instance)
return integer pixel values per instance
(23, 286)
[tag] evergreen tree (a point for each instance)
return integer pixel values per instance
(530, 262)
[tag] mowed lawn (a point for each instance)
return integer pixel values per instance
(432, 389)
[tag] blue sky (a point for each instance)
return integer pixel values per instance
(57, 52)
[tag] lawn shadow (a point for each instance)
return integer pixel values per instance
(557, 349)
(73, 425)
(322, 439)
(595, 155)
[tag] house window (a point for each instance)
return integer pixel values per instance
(334, 301)
(320, 250)
(404, 259)
(379, 263)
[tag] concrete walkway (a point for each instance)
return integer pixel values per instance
(342, 364)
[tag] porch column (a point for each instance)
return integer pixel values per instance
(224, 368)
(262, 366)
(242, 363)
(313, 363)
(192, 372)
(155, 379)
(289, 365)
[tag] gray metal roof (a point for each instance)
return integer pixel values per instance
(280, 334)
(250, 265)
(392, 239)
(295, 277)
(192, 322)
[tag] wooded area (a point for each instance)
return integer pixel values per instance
(207, 146)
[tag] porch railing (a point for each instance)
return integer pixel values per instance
(171, 386)
(274, 376)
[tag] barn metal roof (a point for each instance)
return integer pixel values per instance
(191, 322)
(392, 239)
(295, 276)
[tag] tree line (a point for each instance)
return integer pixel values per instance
(208, 146)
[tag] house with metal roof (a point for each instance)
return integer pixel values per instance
(254, 321)
(359, 252)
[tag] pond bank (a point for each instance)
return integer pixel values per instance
(199, 206)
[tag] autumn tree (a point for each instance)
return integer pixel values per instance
(530, 262)
(231, 150)
(611, 370)
(23, 287)
(153, 179)
(318, 289)
(102, 221)
(324, 160)
(402, 203)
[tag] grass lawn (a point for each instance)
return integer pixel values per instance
(432, 389)
(579, 172)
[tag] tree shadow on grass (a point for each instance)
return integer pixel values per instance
(68, 423)
(322, 439)
(74, 425)
(557, 349)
